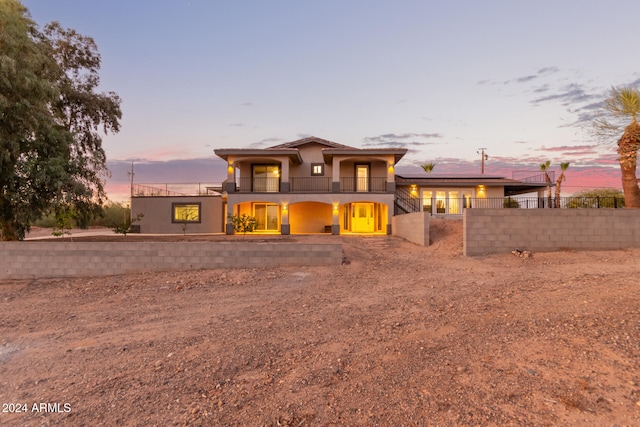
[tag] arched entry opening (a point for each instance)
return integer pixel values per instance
(364, 217)
(310, 217)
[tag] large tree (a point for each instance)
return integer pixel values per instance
(51, 120)
(618, 123)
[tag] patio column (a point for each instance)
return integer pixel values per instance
(335, 222)
(228, 222)
(285, 228)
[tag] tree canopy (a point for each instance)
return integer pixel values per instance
(618, 122)
(52, 118)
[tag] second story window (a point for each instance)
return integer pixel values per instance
(266, 178)
(317, 169)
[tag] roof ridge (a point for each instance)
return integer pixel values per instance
(296, 143)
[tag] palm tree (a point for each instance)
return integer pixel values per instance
(428, 167)
(623, 104)
(544, 167)
(563, 167)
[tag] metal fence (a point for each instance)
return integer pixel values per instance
(455, 206)
(176, 189)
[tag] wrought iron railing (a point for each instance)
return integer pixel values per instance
(176, 189)
(312, 184)
(258, 185)
(533, 177)
(366, 185)
(405, 203)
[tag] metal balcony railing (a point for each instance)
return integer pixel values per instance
(313, 184)
(176, 189)
(258, 185)
(366, 185)
(404, 203)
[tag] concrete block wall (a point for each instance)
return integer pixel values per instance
(413, 227)
(30, 260)
(488, 231)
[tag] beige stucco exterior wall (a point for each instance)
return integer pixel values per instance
(488, 231)
(157, 214)
(310, 153)
(309, 217)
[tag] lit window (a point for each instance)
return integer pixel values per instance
(185, 212)
(317, 169)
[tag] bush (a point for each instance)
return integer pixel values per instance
(598, 198)
(243, 224)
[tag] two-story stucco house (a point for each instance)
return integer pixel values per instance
(312, 185)
(317, 186)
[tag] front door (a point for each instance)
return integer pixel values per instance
(363, 221)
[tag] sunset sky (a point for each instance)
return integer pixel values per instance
(441, 78)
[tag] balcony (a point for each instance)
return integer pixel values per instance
(366, 185)
(258, 185)
(313, 184)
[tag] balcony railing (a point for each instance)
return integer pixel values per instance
(534, 177)
(176, 189)
(367, 185)
(456, 206)
(259, 185)
(313, 184)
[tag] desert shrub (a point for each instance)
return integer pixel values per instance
(600, 197)
(243, 224)
(511, 203)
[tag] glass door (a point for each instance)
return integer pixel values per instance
(362, 177)
(363, 220)
(266, 216)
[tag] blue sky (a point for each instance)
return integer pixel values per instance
(441, 78)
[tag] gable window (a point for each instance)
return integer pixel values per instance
(317, 169)
(185, 212)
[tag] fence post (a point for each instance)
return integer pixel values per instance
(598, 201)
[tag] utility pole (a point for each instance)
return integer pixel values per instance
(483, 156)
(130, 174)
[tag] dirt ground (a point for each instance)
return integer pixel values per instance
(398, 335)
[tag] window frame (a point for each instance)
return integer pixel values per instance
(313, 166)
(175, 220)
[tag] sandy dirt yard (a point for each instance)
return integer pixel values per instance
(398, 335)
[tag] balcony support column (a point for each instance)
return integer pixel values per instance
(228, 223)
(335, 176)
(285, 228)
(284, 176)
